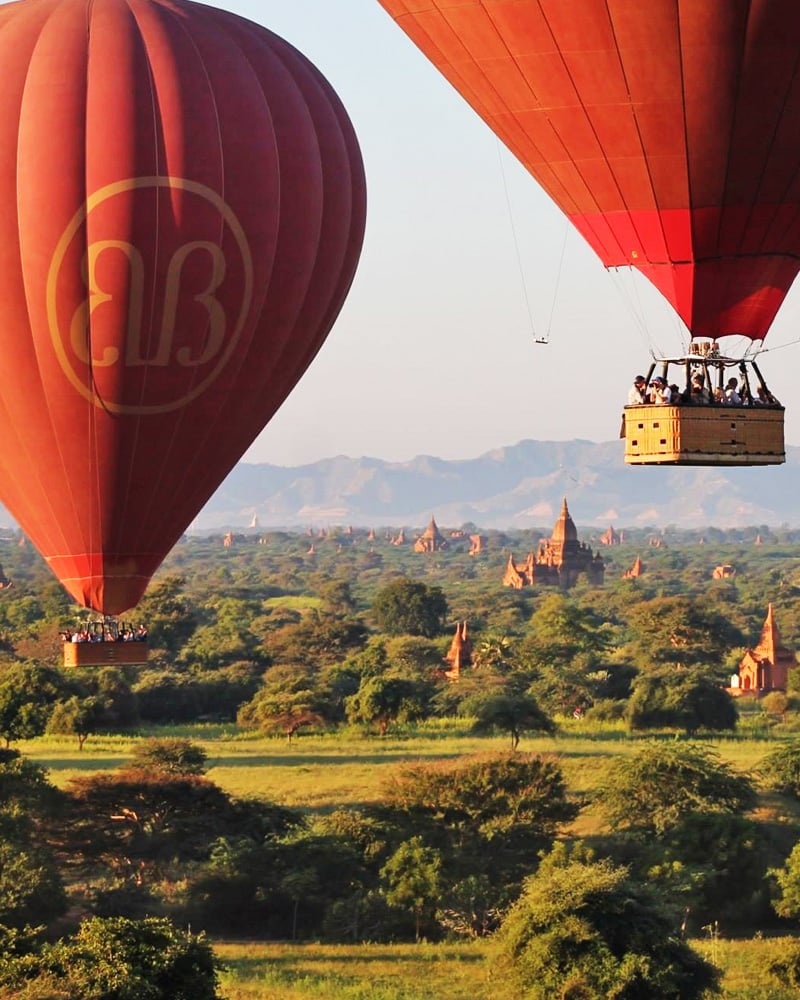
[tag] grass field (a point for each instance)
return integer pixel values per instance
(440, 971)
(320, 773)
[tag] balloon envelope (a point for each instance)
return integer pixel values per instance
(183, 208)
(668, 132)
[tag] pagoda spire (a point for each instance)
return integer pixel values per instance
(770, 636)
(564, 529)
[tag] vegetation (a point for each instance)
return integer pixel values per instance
(585, 928)
(391, 809)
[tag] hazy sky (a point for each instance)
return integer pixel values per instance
(434, 351)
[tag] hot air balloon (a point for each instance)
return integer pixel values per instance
(183, 206)
(668, 134)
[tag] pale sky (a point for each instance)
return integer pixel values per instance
(433, 352)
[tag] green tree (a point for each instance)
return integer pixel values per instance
(28, 693)
(562, 629)
(681, 632)
(168, 613)
(384, 700)
(787, 902)
(717, 862)
(164, 696)
(337, 597)
(31, 889)
(786, 968)
(289, 699)
(119, 959)
(412, 879)
(227, 638)
(146, 825)
(77, 716)
(24, 788)
(509, 712)
(660, 785)
(488, 814)
(585, 929)
(173, 756)
(414, 657)
(408, 607)
(680, 699)
(780, 769)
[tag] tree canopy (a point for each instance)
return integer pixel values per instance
(663, 783)
(409, 607)
(585, 928)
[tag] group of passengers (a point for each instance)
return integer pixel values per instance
(659, 392)
(125, 634)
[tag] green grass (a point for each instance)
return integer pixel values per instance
(353, 972)
(444, 971)
(323, 772)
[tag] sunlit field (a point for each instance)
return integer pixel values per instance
(440, 971)
(323, 772)
(318, 773)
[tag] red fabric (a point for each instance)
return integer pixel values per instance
(668, 132)
(184, 207)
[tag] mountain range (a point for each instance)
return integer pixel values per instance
(520, 486)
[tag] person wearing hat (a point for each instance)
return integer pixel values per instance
(636, 392)
(661, 393)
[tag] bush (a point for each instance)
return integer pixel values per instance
(584, 929)
(118, 959)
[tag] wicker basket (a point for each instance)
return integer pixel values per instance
(703, 435)
(97, 654)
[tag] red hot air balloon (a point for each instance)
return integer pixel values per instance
(184, 203)
(667, 131)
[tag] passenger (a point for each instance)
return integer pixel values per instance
(141, 634)
(732, 397)
(699, 394)
(661, 393)
(636, 394)
(719, 396)
(764, 397)
(676, 396)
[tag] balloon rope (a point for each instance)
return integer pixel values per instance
(539, 340)
(632, 303)
(558, 278)
(780, 347)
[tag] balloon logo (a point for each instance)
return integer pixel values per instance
(183, 205)
(75, 348)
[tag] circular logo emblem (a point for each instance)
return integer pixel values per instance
(148, 292)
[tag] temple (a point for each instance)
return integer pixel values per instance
(559, 561)
(635, 571)
(612, 537)
(460, 653)
(431, 540)
(765, 668)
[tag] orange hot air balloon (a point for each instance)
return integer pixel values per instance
(667, 131)
(183, 207)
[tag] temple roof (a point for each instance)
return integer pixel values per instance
(564, 529)
(432, 531)
(769, 645)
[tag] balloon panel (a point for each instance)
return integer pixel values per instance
(185, 204)
(667, 132)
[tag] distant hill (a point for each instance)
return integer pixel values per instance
(515, 487)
